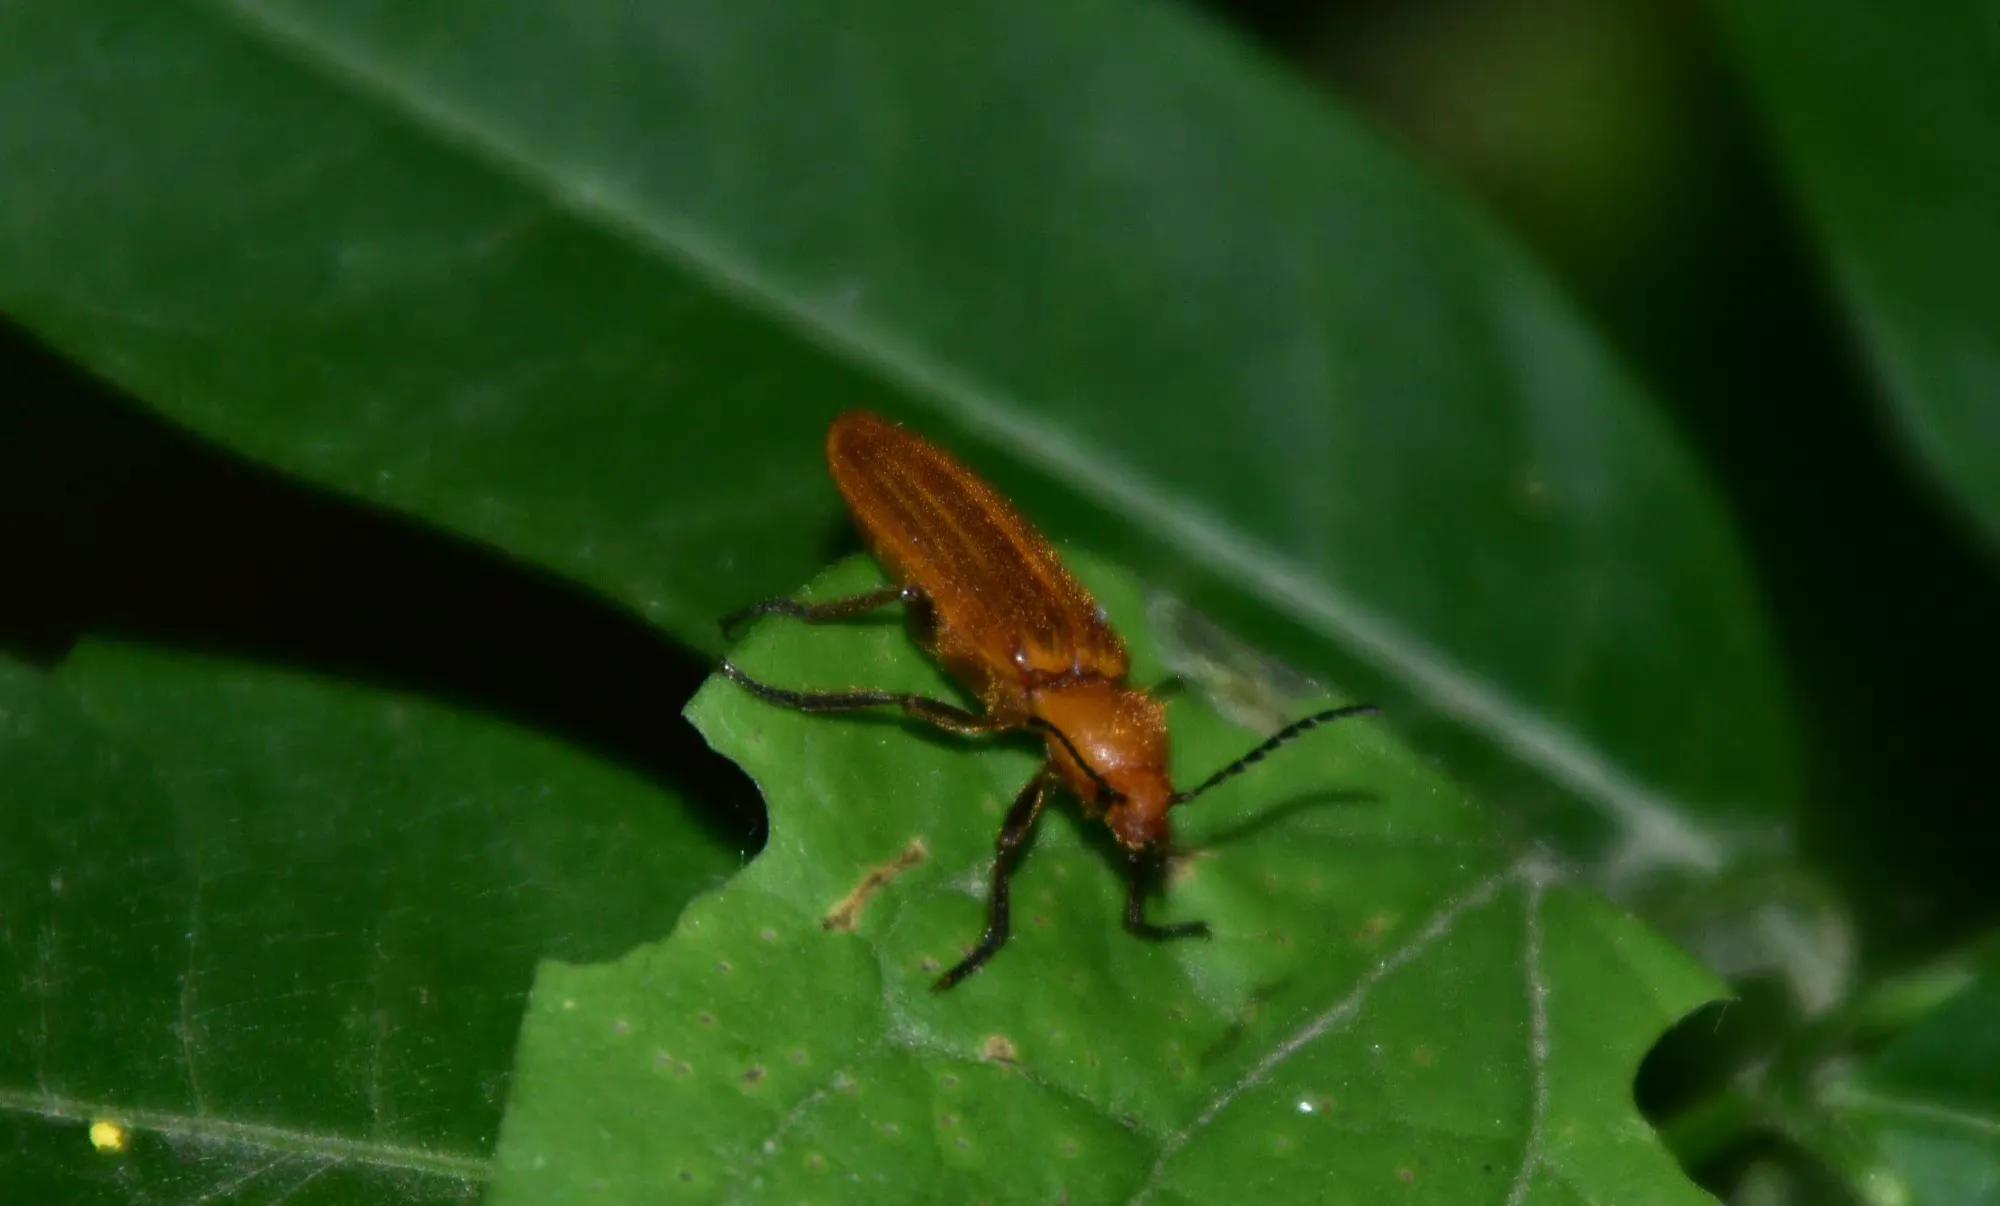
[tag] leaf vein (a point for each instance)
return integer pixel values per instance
(187, 1007)
(208, 1129)
(1521, 729)
(1538, 1036)
(1343, 1011)
(1902, 1107)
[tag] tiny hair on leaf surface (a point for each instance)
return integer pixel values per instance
(1395, 1005)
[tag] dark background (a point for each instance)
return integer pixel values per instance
(1616, 142)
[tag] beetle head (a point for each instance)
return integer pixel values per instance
(1138, 818)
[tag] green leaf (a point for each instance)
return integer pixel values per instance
(1886, 126)
(281, 928)
(586, 281)
(1930, 1106)
(1393, 1007)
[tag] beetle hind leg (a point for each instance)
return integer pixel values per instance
(935, 712)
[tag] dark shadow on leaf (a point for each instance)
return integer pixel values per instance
(1278, 814)
(1231, 1038)
(114, 522)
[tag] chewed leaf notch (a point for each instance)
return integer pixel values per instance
(1394, 1001)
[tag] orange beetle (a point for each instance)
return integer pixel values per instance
(986, 595)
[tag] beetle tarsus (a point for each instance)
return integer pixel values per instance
(1139, 879)
(987, 948)
(1155, 933)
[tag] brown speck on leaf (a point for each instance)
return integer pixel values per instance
(1373, 928)
(999, 1049)
(843, 917)
(1423, 1058)
(753, 1074)
(1406, 1175)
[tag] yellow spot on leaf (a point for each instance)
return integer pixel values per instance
(109, 1137)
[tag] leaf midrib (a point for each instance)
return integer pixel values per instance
(1523, 731)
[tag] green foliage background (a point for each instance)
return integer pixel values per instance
(396, 395)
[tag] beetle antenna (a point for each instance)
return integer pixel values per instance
(1111, 794)
(1277, 739)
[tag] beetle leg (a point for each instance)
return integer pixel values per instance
(931, 711)
(1135, 907)
(1007, 848)
(819, 613)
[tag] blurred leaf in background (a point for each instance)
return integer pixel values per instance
(1886, 131)
(1618, 140)
(1928, 1106)
(1666, 174)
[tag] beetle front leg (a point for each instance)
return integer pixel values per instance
(1014, 833)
